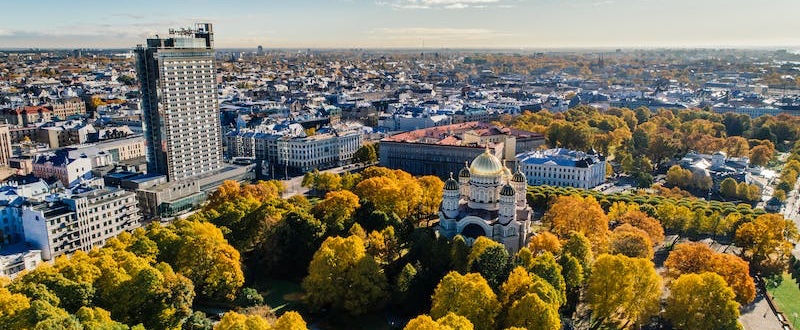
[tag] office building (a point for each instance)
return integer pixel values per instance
(179, 103)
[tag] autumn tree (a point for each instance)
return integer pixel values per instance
(342, 275)
(631, 242)
(679, 177)
(761, 154)
(466, 295)
(648, 224)
(704, 294)
(582, 215)
(199, 251)
(451, 321)
(623, 291)
(727, 188)
(336, 211)
(544, 241)
(696, 258)
(767, 242)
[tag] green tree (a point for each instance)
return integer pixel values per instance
(492, 264)
(365, 154)
(290, 245)
(704, 294)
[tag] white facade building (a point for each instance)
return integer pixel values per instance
(80, 221)
(563, 168)
(59, 165)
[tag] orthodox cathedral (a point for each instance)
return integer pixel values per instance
(487, 200)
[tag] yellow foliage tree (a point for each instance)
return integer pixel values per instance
(582, 215)
(467, 295)
(623, 291)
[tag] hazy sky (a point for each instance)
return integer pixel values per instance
(539, 24)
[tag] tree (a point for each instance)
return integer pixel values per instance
(678, 177)
(432, 190)
(336, 211)
(703, 294)
(203, 255)
(248, 297)
(696, 258)
(578, 246)
(727, 188)
(492, 264)
(521, 282)
(531, 312)
(582, 215)
(450, 321)
(760, 155)
(623, 290)
(235, 321)
(290, 321)
(701, 181)
(631, 242)
(459, 255)
(290, 245)
(342, 276)
(767, 242)
(466, 295)
(648, 224)
(366, 154)
(737, 146)
(545, 266)
(544, 241)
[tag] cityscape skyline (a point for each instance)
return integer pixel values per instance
(434, 24)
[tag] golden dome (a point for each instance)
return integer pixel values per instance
(486, 164)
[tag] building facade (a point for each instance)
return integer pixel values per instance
(5, 145)
(68, 107)
(179, 103)
(59, 165)
(80, 221)
(563, 168)
(487, 200)
(441, 150)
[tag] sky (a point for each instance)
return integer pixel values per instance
(428, 24)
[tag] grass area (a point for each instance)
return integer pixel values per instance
(787, 297)
(279, 294)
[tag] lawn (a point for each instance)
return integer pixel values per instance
(280, 294)
(787, 297)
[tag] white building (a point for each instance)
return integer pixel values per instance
(79, 221)
(563, 167)
(487, 200)
(60, 166)
(14, 262)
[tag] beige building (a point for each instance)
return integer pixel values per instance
(5, 145)
(68, 107)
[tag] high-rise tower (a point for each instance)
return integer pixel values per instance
(179, 103)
